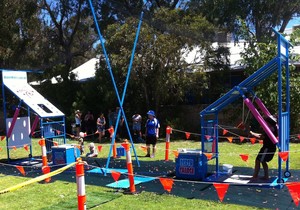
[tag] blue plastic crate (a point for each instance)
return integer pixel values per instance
(64, 154)
(191, 165)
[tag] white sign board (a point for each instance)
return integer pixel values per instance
(20, 133)
(17, 83)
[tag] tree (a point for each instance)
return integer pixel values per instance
(159, 73)
(19, 24)
(259, 16)
(68, 41)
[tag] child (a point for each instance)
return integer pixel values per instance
(268, 149)
(93, 151)
(81, 145)
(101, 126)
(151, 133)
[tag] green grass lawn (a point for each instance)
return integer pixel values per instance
(61, 193)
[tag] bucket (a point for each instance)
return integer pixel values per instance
(227, 168)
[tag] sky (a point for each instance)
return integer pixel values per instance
(293, 22)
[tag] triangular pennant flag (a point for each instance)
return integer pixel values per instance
(221, 189)
(207, 137)
(225, 131)
(242, 138)
(2, 137)
(166, 183)
(260, 141)
(26, 147)
(116, 175)
(230, 139)
(244, 157)
(294, 188)
(208, 155)
(253, 140)
(284, 155)
(21, 169)
(175, 152)
(187, 135)
(55, 143)
(99, 148)
(144, 148)
(298, 136)
(14, 148)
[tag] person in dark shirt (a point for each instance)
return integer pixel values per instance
(268, 149)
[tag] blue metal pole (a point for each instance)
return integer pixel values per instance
(114, 84)
(279, 73)
(5, 116)
(128, 76)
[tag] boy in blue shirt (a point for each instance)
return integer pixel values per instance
(151, 133)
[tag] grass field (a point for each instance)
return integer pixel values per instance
(60, 193)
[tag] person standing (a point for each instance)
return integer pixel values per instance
(101, 126)
(136, 127)
(151, 133)
(88, 123)
(268, 149)
(77, 122)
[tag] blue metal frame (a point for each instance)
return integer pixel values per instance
(121, 101)
(246, 86)
(62, 121)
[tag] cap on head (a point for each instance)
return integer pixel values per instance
(92, 144)
(77, 111)
(151, 112)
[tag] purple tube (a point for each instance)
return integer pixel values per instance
(35, 122)
(13, 122)
(262, 107)
(260, 120)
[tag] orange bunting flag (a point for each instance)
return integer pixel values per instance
(242, 138)
(187, 135)
(99, 148)
(294, 188)
(225, 131)
(166, 183)
(284, 155)
(21, 169)
(261, 141)
(144, 148)
(207, 137)
(55, 143)
(14, 148)
(175, 152)
(2, 137)
(230, 139)
(0, 149)
(116, 175)
(208, 155)
(253, 140)
(221, 189)
(244, 157)
(26, 147)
